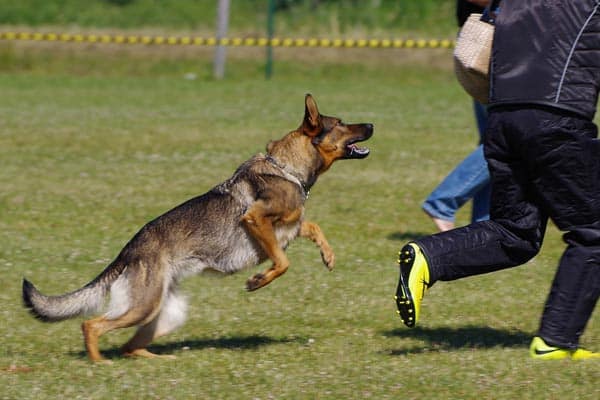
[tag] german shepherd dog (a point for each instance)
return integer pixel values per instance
(249, 218)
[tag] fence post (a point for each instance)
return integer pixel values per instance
(222, 25)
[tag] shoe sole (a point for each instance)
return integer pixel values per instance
(404, 299)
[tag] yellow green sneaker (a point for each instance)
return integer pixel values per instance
(582, 354)
(413, 283)
(539, 350)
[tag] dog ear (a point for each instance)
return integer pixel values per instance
(311, 125)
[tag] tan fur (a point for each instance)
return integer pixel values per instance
(240, 223)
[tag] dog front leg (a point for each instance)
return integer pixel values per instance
(261, 228)
(313, 232)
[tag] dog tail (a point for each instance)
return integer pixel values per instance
(86, 300)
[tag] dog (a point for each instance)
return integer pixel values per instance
(249, 218)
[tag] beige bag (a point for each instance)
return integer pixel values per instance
(472, 57)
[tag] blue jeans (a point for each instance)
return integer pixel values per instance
(469, 180)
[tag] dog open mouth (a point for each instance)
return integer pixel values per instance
(354, 151)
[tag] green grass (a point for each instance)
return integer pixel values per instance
(89, 153)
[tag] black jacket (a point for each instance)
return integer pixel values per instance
(547, 52)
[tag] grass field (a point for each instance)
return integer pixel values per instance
(92, 147)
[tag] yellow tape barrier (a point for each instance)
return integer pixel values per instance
(211, 41)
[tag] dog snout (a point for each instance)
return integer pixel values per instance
(368, 129)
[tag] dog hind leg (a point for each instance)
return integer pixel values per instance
(128, 308)
(96, 327)
(171, 316)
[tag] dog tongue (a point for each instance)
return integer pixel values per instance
(359, 150)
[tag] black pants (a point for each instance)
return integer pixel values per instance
(543, 164)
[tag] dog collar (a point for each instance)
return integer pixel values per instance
(289, 175)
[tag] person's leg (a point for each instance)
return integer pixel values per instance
(468, 179)
(566, 175)
(558, 160)
(516, 229)
(511, 237)
(573, 294)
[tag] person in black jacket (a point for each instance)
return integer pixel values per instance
(544, 160)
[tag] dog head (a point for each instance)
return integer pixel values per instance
(333, 138)
(319, 141)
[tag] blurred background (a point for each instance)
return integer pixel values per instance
(294, 17)
(248, 19)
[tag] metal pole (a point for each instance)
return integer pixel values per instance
(222, 25)
(270, 19)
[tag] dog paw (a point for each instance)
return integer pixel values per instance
(328, 259)
(103, 361)
(255, 282)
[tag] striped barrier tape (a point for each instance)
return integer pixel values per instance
(211, 41)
